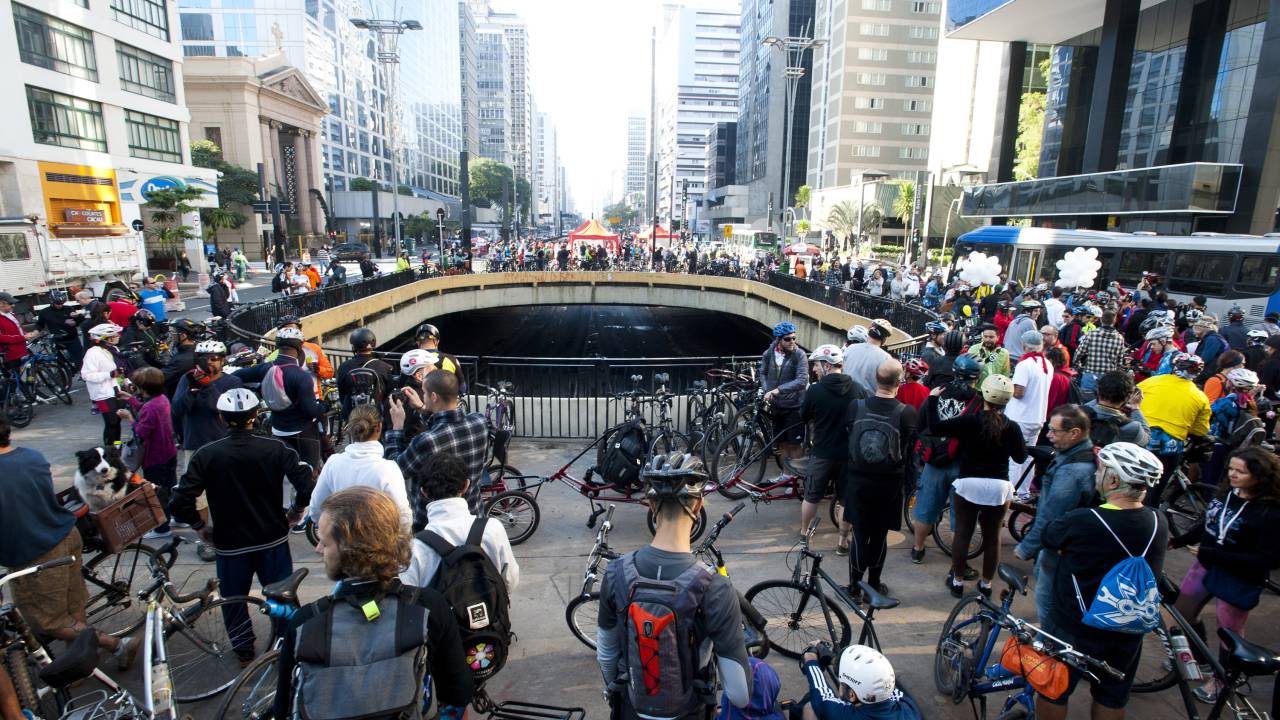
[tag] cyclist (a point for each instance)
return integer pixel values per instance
(1066, 485)
(186, 334)
(1090, 542)
(993, 358)
(784, 373)
(861, 360)
(1100, 351)
(826, 406)
(1115, 415)
(1175, 409)
(1027, 321)
(13, 340)
(1238, 543)
(1150, 359)
(315, 361)
(1216, 385)
(195, 404)
(363, 548)
(152, 297)
(1054, 308)
(1235, 332)
(941, 371)
(1029, 406)
(1256, 352)
(141, 341)
(1209, 344)
(120, 308)
(705, 606)
(428, 338)
(933, 348)
(361, 463)
(988, 441)
(912, 391)
(219, 294)
(103, 371)
(1072, 332)
(240, 475)
(866, 687)
(59, 321)
(372, 379)
(296, 425)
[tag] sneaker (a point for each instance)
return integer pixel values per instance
(125, 654)
(955, 586)
(969, 573)
(984, 587)
(158, 534)
(205, 552)
(179, 525)
(917, 556)
(842, 547)
(299, 528)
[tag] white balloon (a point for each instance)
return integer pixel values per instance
(1078, 268)
(980, 269)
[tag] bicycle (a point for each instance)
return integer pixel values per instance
(1184, 502)
(738, 463)
(963, 666)
(253, 693)
(666, 439)
(46, 372)
(801, 613)
(18, 399)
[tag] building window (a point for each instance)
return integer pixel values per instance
(876, 29)
(864, 151)
(196, 26)
(13, 246)
(915, 128)
(923, 32)
(922, 57)
(47, 42)
(917, 105)
(870, 78)
(213, 134)
(880, 5)
(913, 153)
(144, 73)
(149, 16)
(198, 50)
(153, 138)
(926, 8)
(876, 54)
(58, 119)
(868, 103)
(919, 81)
(866, 126)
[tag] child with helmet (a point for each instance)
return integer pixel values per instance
(866, 686)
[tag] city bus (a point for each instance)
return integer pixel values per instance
(757, 242)
(1229, 270)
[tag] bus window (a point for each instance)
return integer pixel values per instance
(1200, 273)
(1026, 265)
(1134, 262)
(1259, 273)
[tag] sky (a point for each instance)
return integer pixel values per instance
(590, 70)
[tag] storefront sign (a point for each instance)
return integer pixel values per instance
(84, 215)
(137, 187)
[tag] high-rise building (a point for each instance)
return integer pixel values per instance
(493, 105)
(339, 60)
(697, 87)
(633, 184)
(546, 156)
(504, 78)
(722, 150)
(1157, 117)
(468, 52)
(760, 136)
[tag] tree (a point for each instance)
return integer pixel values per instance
(324, 208)
(843, 219)
(872, 219)
(802, 227)
(904, 204)
(167, 208)
(1026, 157)
(421, 226)
(219, 218)
(491, 182)
(621, 214)
(237, 189)
(360, 183)
(802, 196)
(405, 190)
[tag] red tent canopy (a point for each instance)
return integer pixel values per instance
(592, 231)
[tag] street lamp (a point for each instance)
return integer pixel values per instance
(440, 235)
(795, 48)
(389, 32)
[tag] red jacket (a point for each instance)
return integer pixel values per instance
(12, 340)
(121, 311)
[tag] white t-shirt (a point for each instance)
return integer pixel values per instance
(1034, 374)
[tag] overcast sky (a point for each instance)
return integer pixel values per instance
(590, 69)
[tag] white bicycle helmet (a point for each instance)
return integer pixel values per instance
(880, 329)
(857, 334)
(211, 347)
(1134, 465)
(237, 400)
(104, 331)
(1258, 336)
(997, 389)
(1160, 332)
(290, 337)
(414, 360)
(1242, 378)
(868, 673)
(829, 354)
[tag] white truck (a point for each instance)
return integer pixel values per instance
(33, 262)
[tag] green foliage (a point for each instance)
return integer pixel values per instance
(1026, 163)
(937, 257)
(360, 183)
(621, 214)
(843, 219)
(167, 208)
(205, 154)
(802, 196)
(420, 226)
(237, 189)
(872, 218)
(489, 178)
(904, 204)
(405, 190)
(802, 227)
(324, 208)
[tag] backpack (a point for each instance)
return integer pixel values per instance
(940, 450)
(277, 284)
(621, 455)
(1128, 599)
(377, 646)
(366, 385)
(273, 391)
(875, 442)
(478, 595)
(1104, 427)
(1247, 430)
(659, 649)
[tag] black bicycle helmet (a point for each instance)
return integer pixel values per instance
(427, 330)
(58, 297)
(966, 368)
(678, 476)
(363, 339)
(190, 328)
(288, 320)
(143, 316)
(953, 343)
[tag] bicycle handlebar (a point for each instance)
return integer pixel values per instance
(1035, 636)
(34, 569)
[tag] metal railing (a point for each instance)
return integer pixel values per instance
(904, 316)
(253, 321)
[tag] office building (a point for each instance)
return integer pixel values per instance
(721, 165)
(697, 87)
(507, 107)
(468, 51)
(633, 184)
(546, 158)
(493, 103)
(1156, 117)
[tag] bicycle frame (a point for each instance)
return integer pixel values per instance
(810, 579)
(997, 679)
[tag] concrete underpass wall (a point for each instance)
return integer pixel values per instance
(399, 310)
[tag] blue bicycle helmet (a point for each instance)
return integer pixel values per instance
(783, 328)
(966, 368)
(934, 327)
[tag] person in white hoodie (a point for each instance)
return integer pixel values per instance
(361, 463)
(103, 370)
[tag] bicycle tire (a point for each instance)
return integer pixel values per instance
(666, 442)
(1155, 671)
(908, 505)
(25, 678)
(45, 377)
(953, 671)
(699, 525)
(739, 459)
(17, 407)
(517, 512)
(202, 661)
(581, 615)
(1020, 524)
(832, 513)
(1017, 712)
(790, 610)
(942, 535)
(1184, 509)
(119, 611)
(254, 691)
(312, 531)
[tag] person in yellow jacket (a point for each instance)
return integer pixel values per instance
(1176, 410)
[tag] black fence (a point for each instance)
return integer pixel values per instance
(255, 320)
(906, 317)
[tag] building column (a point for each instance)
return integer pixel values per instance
(1075, 116)
(1199, 73)
(1111, 85)
(311, 176)
(277, 177)
(268, 157)
(301, 181)
(1016, 68)
(1260, 151)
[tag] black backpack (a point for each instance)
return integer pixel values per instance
(875, 440)
(478, 595)
(621, 455)
(276, 283)
(367, 387)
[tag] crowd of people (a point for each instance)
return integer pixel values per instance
(1089, 403)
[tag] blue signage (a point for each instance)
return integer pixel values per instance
(162, 182)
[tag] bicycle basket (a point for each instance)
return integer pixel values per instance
(1047, 675)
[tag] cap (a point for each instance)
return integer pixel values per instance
(1032, 339)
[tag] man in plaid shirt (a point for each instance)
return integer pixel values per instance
(448, 430)
(1100, 352)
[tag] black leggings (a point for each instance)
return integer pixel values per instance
(867, 551)
(110, 421)
(987, 517)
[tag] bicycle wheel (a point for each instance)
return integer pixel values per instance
(32, 694)
(794, 617)
(254, 691)
(909, 504)
(581, 614)
(114, 581)
(699, 525)
(17, 407)
(1155, 671)
(312, 531)
(1185, 508)
(517, 512)
(740, 459)
(1020, 524)
(943, 534)
(48, 378)
(203, 655)
(666, 442)
(960, 646)
(1017, 712)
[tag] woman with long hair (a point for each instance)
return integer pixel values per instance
(988, 441)
(361, 463)
(1239, 543)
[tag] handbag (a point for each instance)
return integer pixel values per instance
(1047, 676)
(131, 453)
(1231, 589)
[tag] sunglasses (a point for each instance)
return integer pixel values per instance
(789, 338)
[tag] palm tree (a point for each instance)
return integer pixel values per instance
(904, 205)
(843, 219)
(872, 219)
(219, 218)
(167, 208)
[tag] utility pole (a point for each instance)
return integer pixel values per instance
(653, 135)
(794, 49)
(464, 174)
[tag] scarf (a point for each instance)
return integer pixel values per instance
(1044, 365)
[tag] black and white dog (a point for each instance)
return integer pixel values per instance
(101, 477)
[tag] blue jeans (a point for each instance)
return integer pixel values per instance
(1089, 381)
(235, 577)
(1046, 565)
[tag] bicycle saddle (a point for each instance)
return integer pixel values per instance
(77, 662)
(875, 599)
(1011, 577)
(286, 590)
(1247, 657)
(505, 385)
